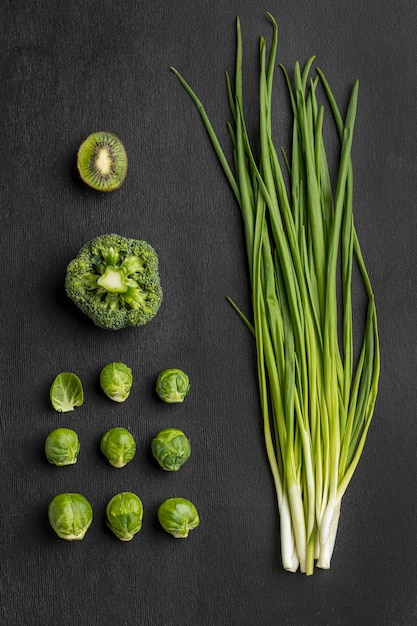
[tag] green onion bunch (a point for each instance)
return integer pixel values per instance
(317, 390)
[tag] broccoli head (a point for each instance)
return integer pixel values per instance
(115, 281)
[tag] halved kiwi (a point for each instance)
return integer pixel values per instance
(102, 161)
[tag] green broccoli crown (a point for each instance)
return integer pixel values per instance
(115, 281)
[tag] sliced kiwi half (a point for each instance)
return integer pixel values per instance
(102, 161)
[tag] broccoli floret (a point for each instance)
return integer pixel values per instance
(115, 281)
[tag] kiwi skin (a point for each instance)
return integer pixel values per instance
(102, 161)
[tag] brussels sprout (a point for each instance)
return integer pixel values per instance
(70, 515)
(124, 513)
(66, 392)
(171, 449)
(62, 447)
(178, 516)
(116, 381)
(172, 385)
(119, 446)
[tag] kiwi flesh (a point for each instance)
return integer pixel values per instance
(102, 161)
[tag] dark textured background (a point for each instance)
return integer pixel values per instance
(68, 68)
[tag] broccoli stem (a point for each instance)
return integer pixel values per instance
(113, 280)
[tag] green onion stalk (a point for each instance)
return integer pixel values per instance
(317, 390)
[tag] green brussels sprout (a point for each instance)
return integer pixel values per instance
(124, 514)
(70, 515)
(62, 447)
(66, 392)
(178, 516)
(171, 449)
(119, 446)
(172, 385)
(116, 381)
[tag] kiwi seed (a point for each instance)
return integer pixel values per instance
(102, 161)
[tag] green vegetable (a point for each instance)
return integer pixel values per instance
(116, 381)
(66, 392)
(62, 447)
(317, 390)
(70, 515)
(115, 281)
(178, 516)
(171, 449)
(118, 446)
(172, 385)
(124, 514)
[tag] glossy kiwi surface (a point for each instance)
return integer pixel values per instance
(102, 161)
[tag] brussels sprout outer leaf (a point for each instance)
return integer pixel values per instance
(70, 515)
(124, 515)
(119, 446)
(178, 516)
(66, 392)
(171, 449)
(116, 381)
(172, 385)
(62, 447)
